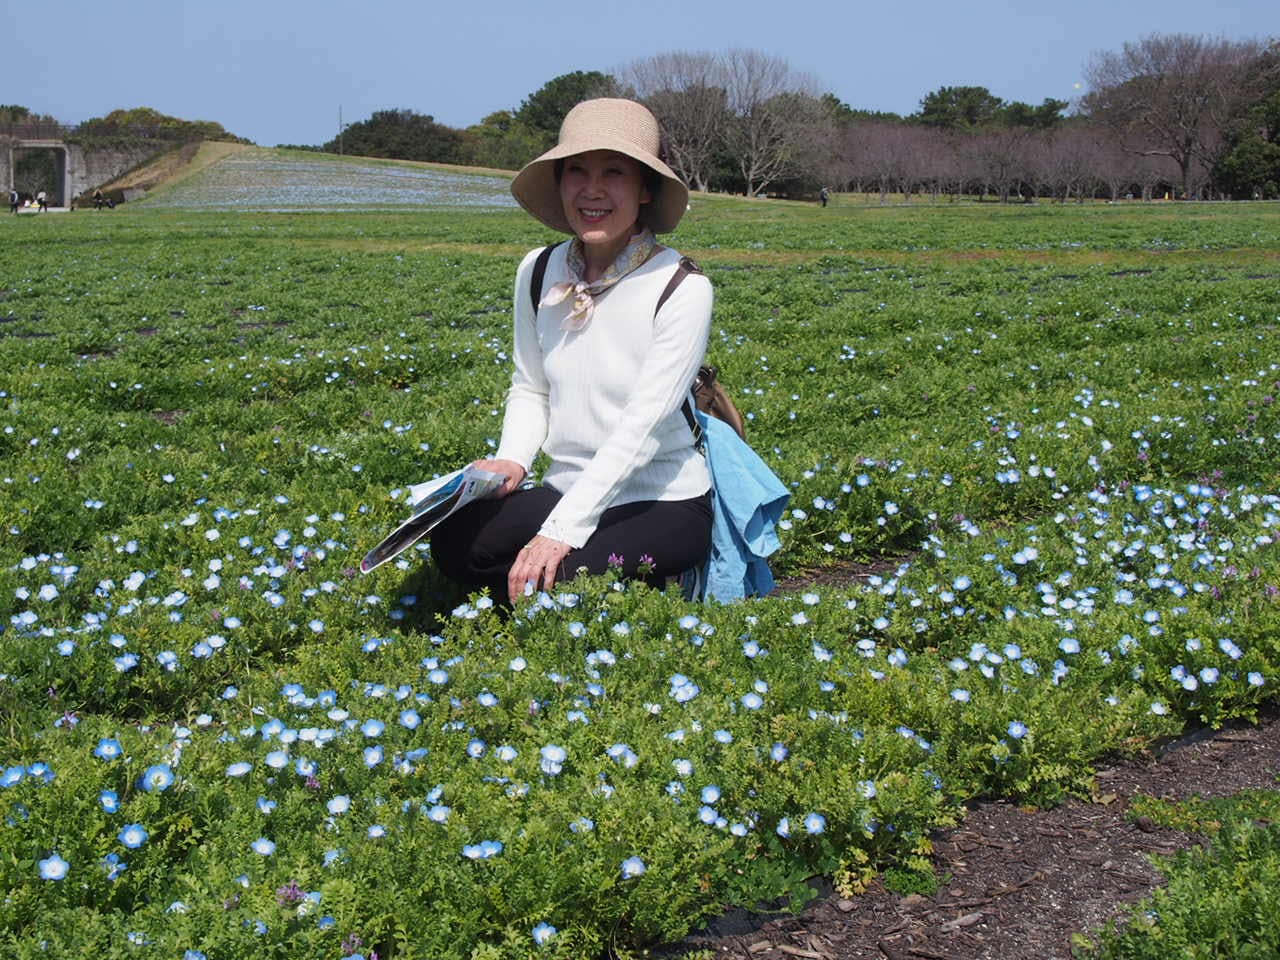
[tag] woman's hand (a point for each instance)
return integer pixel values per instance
(512, 473)
(537, 563)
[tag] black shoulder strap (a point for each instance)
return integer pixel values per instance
(540, 271)
(686, 267)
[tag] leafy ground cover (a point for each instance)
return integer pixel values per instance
(1052, 430)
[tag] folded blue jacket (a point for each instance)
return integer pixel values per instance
(747, 501)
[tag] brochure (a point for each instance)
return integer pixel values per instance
(432, 502)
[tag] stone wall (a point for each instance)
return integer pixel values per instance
(87, 167)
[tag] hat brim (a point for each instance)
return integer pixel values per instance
(535, 187)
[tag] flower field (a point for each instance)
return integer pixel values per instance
(1055, 430)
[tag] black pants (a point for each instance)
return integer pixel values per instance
(478, 544)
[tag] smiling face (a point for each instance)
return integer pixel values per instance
(602, 192)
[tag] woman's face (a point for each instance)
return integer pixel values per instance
(601, 192)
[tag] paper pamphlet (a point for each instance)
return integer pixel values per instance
(432, 502)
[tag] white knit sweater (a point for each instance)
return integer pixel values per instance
(604, 402)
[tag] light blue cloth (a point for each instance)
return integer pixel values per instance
(747, 501)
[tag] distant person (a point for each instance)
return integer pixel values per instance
(97, 199)
(14, 200)
(824, 195)
(42, 203)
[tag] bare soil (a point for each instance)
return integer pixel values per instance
(1020, 882)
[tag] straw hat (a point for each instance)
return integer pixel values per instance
(605, 124)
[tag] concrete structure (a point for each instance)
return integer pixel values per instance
(60, 191)
(77, 169)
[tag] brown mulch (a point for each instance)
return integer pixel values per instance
(1021, 882)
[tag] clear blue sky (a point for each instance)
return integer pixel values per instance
(277, 71)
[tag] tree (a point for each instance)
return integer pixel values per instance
(544, 109)
(959, 107)
(1173, 95)
(144, 123)
(775, 118)
(502, 141)
(401, 135)
(686, 92)
(1044, 117)
(1250, 166)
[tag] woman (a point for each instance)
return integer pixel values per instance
(600, 378)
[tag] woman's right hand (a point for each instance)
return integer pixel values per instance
(513, 475)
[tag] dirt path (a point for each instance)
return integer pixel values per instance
(1021, 882)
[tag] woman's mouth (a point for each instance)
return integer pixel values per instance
(592, 214)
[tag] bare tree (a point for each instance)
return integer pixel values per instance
(686, 92)
(1171, 95)
(775, 116)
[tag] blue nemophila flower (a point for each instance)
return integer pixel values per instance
(784, 828)
(263, 847)
(1209, 675)
(552, 759)
(239, 768)
(1069, 645)
(682, 688)
(487, 699)
(277, 759)
(53, 867)
(156, 778)
(582, 825)
(12, 776)
(108, 748)
(710, 794)
(543, 933)
(339, 805)
(723, 736)
(475, 748)
(132, 835)
(821, 653)
(373, 728)
(1017, 729)
(374, 755)
(960, 695)
(483, 850)
(410, 719)
(867, 788)
(376, 832)
(110, 801)
(815, 823)
(265, 806)
(439, 813)
(113, 866)
(632, 867)
(707, 815)
(683, 767)
(779, 752)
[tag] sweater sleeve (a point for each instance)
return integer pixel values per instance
(680, 332)
(524, 424)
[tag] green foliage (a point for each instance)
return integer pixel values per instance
(959, 107)
(147, 124)
(1053, 439)
(1219, 902)
(401, 135)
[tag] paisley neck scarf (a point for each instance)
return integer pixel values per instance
(636, 252)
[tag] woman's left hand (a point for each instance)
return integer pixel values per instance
(537, 563)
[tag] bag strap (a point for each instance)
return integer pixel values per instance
(686, 267)
(540, 271)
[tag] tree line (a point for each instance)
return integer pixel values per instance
(1179, 115)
